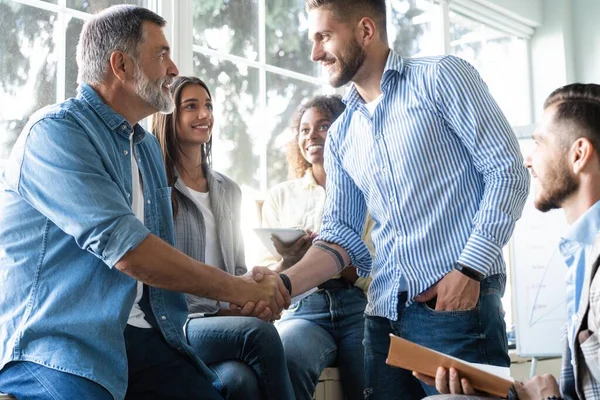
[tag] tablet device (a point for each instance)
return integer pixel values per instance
(285, 235)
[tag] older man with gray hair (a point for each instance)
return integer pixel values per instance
(92, 304)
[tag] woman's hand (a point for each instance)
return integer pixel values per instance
(293, 252)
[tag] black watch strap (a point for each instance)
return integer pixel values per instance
(286, 282)
(469, 272)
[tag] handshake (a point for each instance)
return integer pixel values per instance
(262, 294)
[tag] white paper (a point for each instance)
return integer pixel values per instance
(502, 372)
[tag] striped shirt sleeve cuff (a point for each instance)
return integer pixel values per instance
(479, 254)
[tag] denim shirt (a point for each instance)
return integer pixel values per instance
(65, 221)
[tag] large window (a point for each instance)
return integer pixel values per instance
(37, 57)
(255, 57)
(502, 60)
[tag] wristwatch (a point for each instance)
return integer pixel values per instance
(469, 272)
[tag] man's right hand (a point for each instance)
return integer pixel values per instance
(447, 381)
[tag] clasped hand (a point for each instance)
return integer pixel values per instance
(266, 294)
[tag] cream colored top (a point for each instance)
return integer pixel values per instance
(299, 203)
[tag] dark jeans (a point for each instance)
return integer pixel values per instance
(477, 335)
(157, 371)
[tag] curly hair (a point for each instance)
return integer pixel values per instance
(331, 106)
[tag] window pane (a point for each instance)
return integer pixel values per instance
(228, 26)
(287, 44)
(501, 59)
(237, 125)
(415, 28)
(94, 6)
(284, 95)
(27, 67)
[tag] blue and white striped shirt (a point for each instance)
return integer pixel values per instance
(439, 169)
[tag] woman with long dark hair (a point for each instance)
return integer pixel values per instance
(245, 352)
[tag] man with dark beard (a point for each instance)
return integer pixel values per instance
(424, 149)
(90, 304)
(565, 165)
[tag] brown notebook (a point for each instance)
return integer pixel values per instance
(411, 356)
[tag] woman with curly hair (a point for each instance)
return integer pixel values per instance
(326, 328)
(244, 352)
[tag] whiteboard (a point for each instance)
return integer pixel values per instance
(538, 278)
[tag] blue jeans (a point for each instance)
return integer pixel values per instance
(30, 381)
(325, 329)
(246, 355)
(477, 335)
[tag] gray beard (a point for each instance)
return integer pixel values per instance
(152, 93)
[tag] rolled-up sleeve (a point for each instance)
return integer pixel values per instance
(345, 210)
(477, 120)
(63, 175)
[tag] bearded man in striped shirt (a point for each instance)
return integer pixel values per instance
(423, 147)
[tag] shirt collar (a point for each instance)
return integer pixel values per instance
(112, 119)
(394, 64)
(582, 232)
(308, 180)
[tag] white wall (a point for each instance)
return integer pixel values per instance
(565, 47)
(586, 40)
(552, 51)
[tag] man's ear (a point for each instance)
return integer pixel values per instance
(367, 30)
(582, 154)
(119, 65)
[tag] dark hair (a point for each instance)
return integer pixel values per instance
(346, 10)
(164, 127)
(118, 28)
(329, 105)
(578, 104)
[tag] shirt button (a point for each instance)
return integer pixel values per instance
(125, 152)
(383, 169)
(128, 195)
(123, 127)
(398, 233)
(148, 201)
(392, 199)
(163, 318)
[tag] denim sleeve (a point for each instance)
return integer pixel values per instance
(473, 115)
(62, 173)
(345, 210)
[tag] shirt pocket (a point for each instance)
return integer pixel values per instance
(164, 214)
